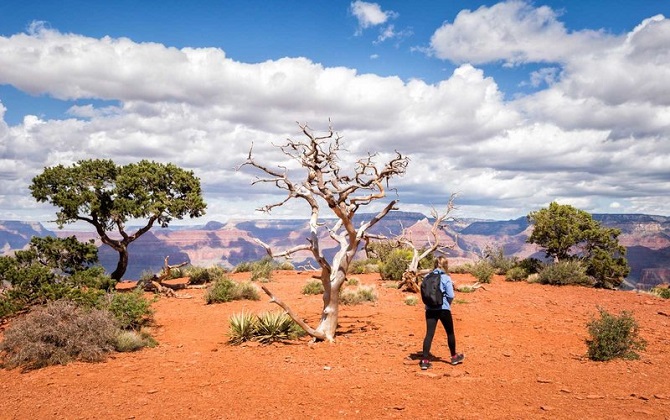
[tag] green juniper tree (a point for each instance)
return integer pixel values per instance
(567, 233)
(107, 196)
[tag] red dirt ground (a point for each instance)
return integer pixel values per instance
(524, 347)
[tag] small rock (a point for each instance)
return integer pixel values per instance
(546, 408)
(152, 391)
(544, 381)
(327, 368)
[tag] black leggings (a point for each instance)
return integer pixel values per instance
(444, 316)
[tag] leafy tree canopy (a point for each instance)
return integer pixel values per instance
(107, 196)
(568, 233)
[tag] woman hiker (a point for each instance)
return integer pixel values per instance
(443, 314)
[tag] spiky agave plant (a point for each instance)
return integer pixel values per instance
(242, 327)
(275, 326)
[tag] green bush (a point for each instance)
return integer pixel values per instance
(464, 288)
(516, 274)
(565, 272)
(201, 275)
(352, 281)
(365, 266)
(313, 287)
(411, 300)
(222, 290)
(247, 291)
(131, 340)
(483, 271)
(58, 333)
(395, 264)
(461, 269)
(262, 270)
(360, 295)
(131, 309)
(496, 257)
(226, 290)
(531, 265)
(614, 337)
(286, 266)
(663, 292)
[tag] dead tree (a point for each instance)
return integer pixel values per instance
(412, 275)
(155, 284)
(326, 183)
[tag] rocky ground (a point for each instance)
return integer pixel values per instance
(524, 346)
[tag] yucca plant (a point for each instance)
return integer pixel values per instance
(275, 326)
(242, 327)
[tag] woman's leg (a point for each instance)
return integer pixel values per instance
(431, 323)
(448, 323)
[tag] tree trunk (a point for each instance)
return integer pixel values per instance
(331, 303)
(122, 264)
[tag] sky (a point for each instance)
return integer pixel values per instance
(509, 105)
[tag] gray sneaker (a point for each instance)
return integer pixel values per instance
(457, 359)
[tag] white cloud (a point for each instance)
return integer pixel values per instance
(513, 32)
(369, 14)
(595, 133)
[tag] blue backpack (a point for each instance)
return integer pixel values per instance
(431, 294)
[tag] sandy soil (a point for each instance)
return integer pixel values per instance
(524, 347)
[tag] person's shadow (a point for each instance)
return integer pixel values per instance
(433, 359)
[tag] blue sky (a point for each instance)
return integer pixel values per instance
(511, 104)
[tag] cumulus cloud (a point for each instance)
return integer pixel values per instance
(513, 32)
(370, 14)
(594, 134)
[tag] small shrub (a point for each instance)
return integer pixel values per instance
(366, 266)
(565, 272)
(360, 295)
(8, 306)
(131, 309)
(313, 287)
(663, 292)
(461, 269)
(483, 271)
(614, 337)
(286, 266)
(496, 257)
(200, 275)
(531, 265)
(516, 274)
(246, 291)
(464, 288)
(262, 270)
(242, 327)
(176, 273)
(131, 340)
(395, 264)
(226, 290)
(59, 333)
(391, 285)
(352, 281)
(222, 290)
(243, 267)
(411, 300)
